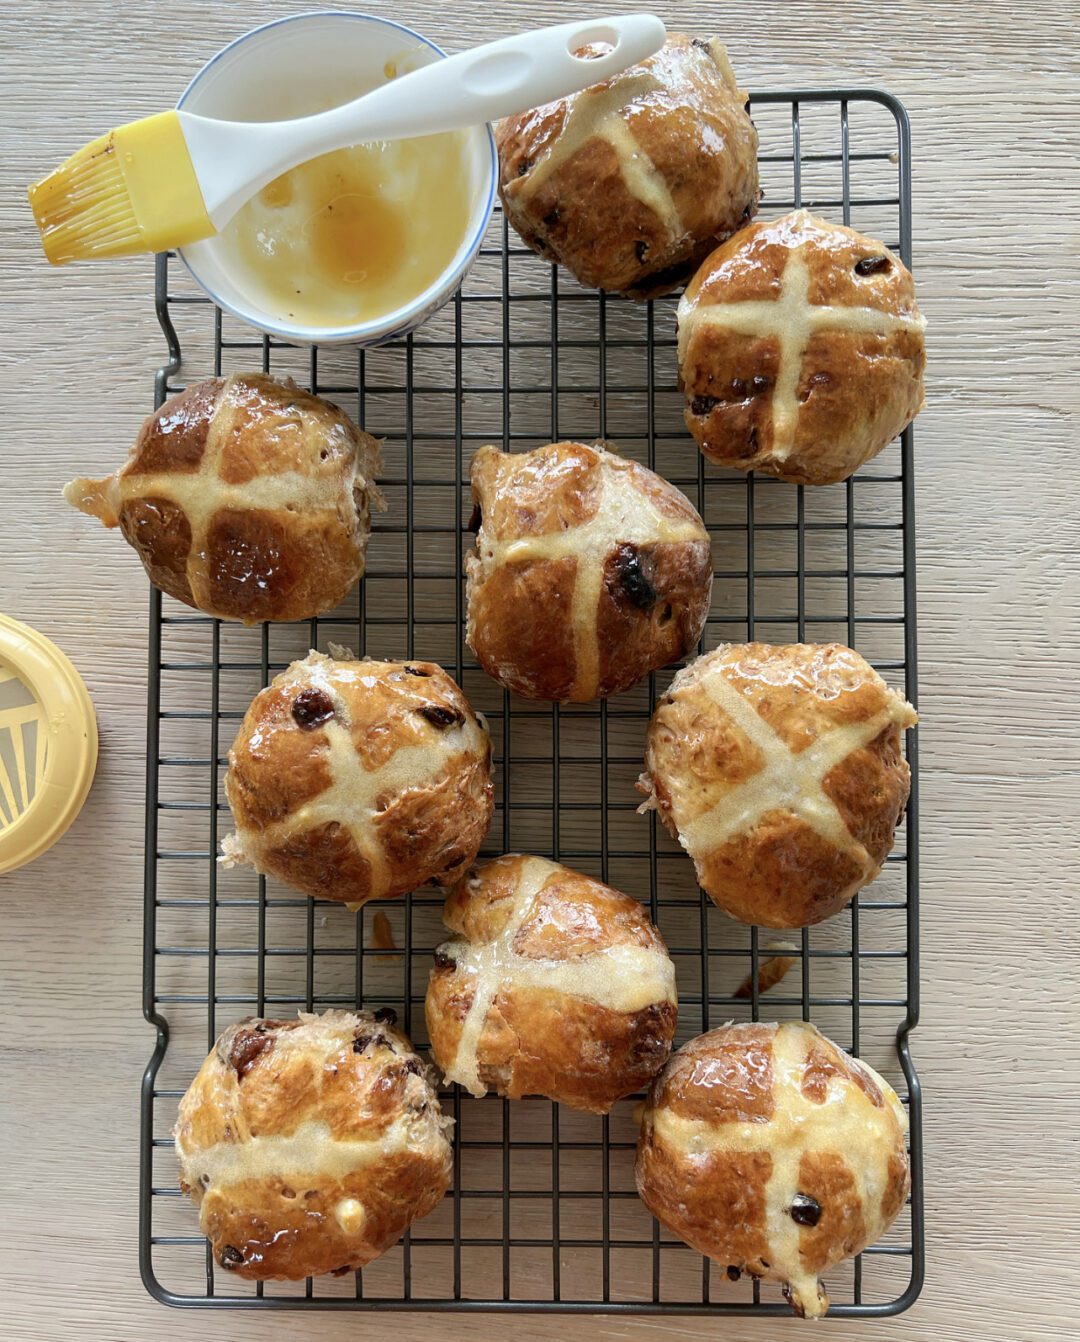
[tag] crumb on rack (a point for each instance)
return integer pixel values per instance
(770, 971)
(382, 937)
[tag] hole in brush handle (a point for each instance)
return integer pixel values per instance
(600, 35)
(616, 43)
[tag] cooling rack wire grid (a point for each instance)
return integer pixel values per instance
(542, 1214)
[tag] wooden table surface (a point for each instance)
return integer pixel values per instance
(993, 98)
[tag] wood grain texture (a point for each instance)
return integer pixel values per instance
(993, 97)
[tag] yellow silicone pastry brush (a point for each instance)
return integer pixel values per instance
(174, 178)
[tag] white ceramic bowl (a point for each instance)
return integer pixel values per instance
(282, 70)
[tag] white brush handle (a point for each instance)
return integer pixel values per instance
(235, 159)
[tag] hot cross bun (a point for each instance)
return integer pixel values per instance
(632, 182)
(357, 780)
(779, 771)
(801, 350)
(246, 498)
(553, 985)
(589, 571)
(311, 1145)
(771, 1151)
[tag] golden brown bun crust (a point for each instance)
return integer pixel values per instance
(246, 498)
(311, 1145)
(554, 985)
(357, 780)
(779, 770)
(589, 571)
(771, 1151)
(632, 182)
(782, 386)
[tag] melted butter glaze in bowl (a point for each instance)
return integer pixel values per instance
(359, 246)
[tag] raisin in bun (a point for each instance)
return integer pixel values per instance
(779, 771)
(632, 182)
(246, 498)
(553, 985)
(311, 1145)
(801, 350)
(357, 780)
(589, 571)
(771, 1151)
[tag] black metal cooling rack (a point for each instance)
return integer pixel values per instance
(543, 1213)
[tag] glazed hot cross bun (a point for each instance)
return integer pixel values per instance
(630, 183)
(801, 350)
(246, 498)
(779, 771)
(311, 1145)
(771, 1151)
(553, 985)
(357, 780)
(589, 571)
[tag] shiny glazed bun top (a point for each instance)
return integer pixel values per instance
(310, 1145)
(356, 780)
(771, 1151)
(589, 571)
(630, 183)
(554, 984)
(246, 498)
(778, 769)
(801, 350)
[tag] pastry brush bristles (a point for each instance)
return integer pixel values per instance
(133, 190)
(84, 209)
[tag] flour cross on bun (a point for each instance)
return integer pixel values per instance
(359, 779)
(599, 112)
(246, 498)
(801, 350)
(771, 1151)
(350, 799)
(589, 571)
(555, 984)
(779, 771)
(797, 776)
(310, 1145)
(631, 182)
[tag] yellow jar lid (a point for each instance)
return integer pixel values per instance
(48, 743)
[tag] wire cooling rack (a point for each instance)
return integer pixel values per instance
(542, 1214)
